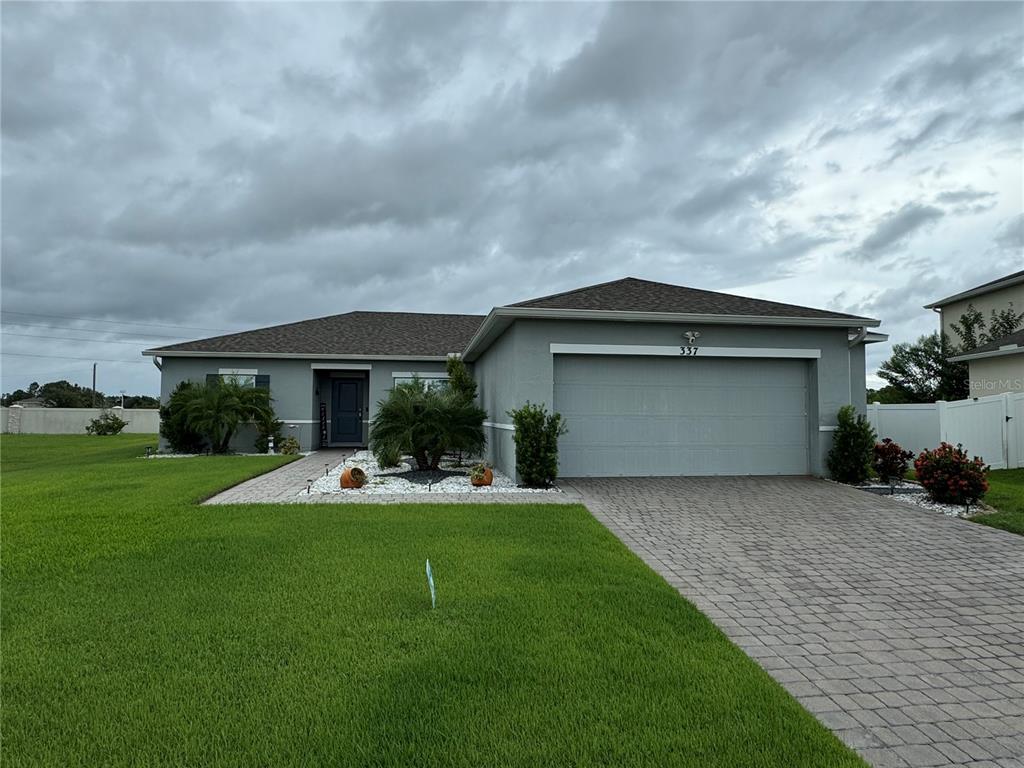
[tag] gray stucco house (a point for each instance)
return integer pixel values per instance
(653, 379)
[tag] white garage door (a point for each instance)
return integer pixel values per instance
(646, 416)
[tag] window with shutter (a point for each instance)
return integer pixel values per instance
(244, 378)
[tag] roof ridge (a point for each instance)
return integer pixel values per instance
(703, 291)
(581, 288)
(400, 312)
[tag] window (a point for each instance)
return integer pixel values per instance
(431, 380)
(245, 377)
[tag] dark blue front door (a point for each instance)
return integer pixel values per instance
(347, 411)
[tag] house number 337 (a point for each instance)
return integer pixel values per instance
(688, 351)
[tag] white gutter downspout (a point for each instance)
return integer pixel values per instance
(157, 362)
(861, 335)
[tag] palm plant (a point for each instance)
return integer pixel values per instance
(426, 423)
(217, 408)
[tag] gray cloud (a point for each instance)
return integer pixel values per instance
(1010, 237)
(966, 195)
(959, 70)
(231, 165)
(895, 228)
(934, 128)
(765, 180)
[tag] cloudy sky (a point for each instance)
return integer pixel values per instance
(173, 168)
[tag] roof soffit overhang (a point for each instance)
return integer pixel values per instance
(980, 290)
(500, 318)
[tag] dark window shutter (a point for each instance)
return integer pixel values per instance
(263, 381)
(212, 378)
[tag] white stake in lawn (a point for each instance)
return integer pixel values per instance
(430, 582)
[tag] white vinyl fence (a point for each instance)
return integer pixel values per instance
(991, 427)
(73, 421)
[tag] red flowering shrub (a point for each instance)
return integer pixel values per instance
(950, 477)
(890, 461)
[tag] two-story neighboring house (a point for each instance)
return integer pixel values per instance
(996, 366)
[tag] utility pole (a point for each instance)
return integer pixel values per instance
(94, 385)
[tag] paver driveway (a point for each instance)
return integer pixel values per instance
(899, 628)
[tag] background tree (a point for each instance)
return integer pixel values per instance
(887, 395)
(10, 398)
(973, 331)
(1004, 323)
(921, 372)
(64, 394)
(970, 328)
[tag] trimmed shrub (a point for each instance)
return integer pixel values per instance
(950, 476)
(426, 423)
(853, 445)
(890, 461)
(536, 438)
(290, 446)
(106, 424)
(174, 426)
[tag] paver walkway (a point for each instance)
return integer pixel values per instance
(899, 628)
(286, 485)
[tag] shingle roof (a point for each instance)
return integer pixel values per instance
(354, 333)
(632, 294)
(1015, 338)
(1004, 281)
(412, 334)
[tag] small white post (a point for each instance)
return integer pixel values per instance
(941, 406)
(1009, 433)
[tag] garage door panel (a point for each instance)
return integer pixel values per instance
(665, 401)
(729, 430)
(671, 416)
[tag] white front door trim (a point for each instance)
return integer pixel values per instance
(682, 351)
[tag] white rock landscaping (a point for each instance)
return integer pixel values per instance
(912, 493)
(391, 481)
(953, 510)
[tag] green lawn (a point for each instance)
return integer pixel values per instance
(141, 629)
(1006, 493)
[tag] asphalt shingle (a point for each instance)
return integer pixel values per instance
(632, 294)
(354, 333)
